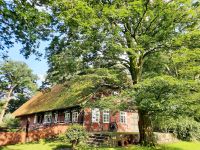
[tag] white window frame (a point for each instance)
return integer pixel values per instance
(48, 117)
(75, 116)
(56, 117)
(95, 115)
(67, 117)
(123, 117)
(106, 116)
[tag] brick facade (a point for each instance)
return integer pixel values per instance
(7, 138)
(130, 126)
(85, 118)
(40, 130)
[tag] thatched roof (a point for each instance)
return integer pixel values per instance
(77, 92)
(53, 99)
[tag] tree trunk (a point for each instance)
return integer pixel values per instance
(5, 107)
(145, 126)
(135, 68)
(145, 129)
(136, 65)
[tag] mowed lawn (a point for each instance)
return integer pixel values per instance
(59, 146)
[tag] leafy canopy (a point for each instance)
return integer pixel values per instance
(17, 75)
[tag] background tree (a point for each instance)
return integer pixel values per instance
(18, 100)
(15, 78)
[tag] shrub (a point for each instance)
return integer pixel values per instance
(10, 122)
(188, 129)
(185, 128)
(76, 134)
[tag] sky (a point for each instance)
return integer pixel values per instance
(39, 67)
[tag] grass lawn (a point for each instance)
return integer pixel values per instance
(59, 145)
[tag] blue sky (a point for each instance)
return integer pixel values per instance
(39, 67)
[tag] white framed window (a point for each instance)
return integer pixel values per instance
(56, 117)
(35, 119)
(67, 117)
(123, 117)
(106, 116)
(48, 117)
(75, 117)
(95, 115)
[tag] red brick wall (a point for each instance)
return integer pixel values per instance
(7, 138)
(46, 132)
(130, 126)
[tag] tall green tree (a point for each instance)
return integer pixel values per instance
(126, 34)
(15, 77)
(118, 32)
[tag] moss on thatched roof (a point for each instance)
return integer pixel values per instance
(75, 93)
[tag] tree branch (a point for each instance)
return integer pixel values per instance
(146, 7)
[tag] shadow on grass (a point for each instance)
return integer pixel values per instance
(170, 148)
(60, 146)
(136, 147)
(5, 148)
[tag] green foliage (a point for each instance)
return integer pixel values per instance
(184, 63)
(165, 95)
(76, 134)
(10, 122)
(16, 74)
(19, 100)
(15, 78)
(185, 128)
(134, 30)
(22, 21)
(96, 34)
(170, 103)
(1, 104)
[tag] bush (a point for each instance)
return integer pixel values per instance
(10, 122)
(188, 129)
(76, 135)
(185, 128)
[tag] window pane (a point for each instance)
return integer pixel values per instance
(95, 115)
(106, 116)
(56, 118)
(122, 117)
(75, 117)
(67, 117)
